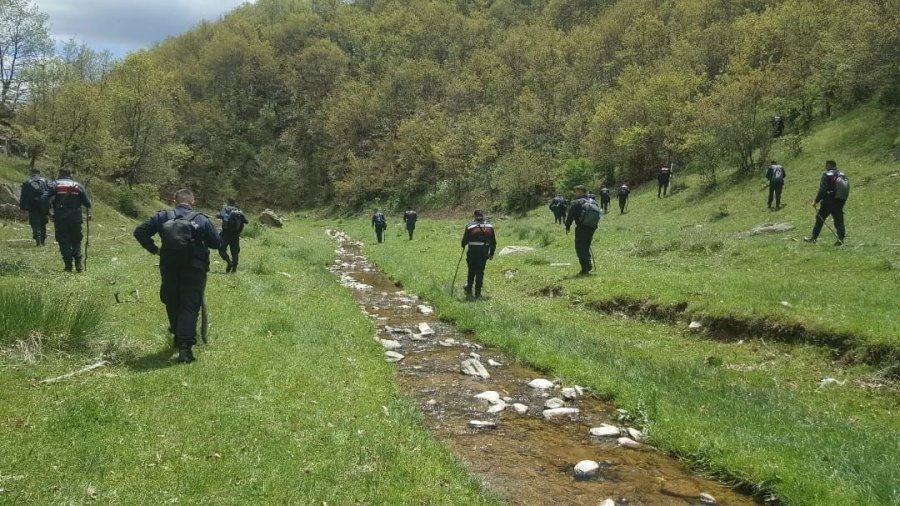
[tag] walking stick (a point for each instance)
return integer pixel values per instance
(819, 216)
(204, 322)
(87, 242)
(453, 284)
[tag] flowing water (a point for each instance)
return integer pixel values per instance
(527, 458)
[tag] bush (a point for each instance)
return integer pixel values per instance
(252, 230)
(25, 311)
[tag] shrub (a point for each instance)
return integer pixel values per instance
(26, 311)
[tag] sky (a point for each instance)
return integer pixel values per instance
(124, 26)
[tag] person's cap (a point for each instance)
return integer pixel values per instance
(580, 187)
(478, 213)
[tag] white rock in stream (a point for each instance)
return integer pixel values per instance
(425, 329)
(554, 403)
(447, 343)
(541, 384)
(586, 469)
(553, 413)
(627, 442)
(607, 502)
(708, 499)
(473, 367)
(478, 424)
(425, 310)
(635, 434)
(390, 344)
(393, 356)
(491, 396)
(493, 363)
(605, 430)
(520, 408)
(572, 393)
(496, 408)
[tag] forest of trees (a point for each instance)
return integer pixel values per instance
(437, 103)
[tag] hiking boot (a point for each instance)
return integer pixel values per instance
(227, 267)
(839, 242)
(185, 356)
(233, 268)
(78, 266)
(809, 239)
(467, 289)
(478, 293)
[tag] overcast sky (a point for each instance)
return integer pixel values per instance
(123, 26)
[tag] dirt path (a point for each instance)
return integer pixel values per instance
(528, 458)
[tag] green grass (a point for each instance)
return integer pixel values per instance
(292, 403)
(28, 310)
(747, 409)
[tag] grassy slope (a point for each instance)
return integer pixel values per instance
(750, 411)
(292, 403)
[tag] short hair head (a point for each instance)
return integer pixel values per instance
(580, 190)
(184, 196)
(478, 213)
(230, 201)
(774, 162)
(830, 164)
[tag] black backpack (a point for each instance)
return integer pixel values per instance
(379, 219)
(178, 238)
(777, 174)
(590, 213)
(234, 221)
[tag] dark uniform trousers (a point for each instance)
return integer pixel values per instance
(379, 232)
(38, 221)
(623, 200)
(68, 235)
(663, 186)
(182, 293)
(560, 214)
(775, 188)
(230, 241)
(476, 260)
(834, 208)
(604, 204)
(583, 238)
(410, 228)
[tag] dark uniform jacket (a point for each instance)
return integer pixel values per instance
(664, 174)
(225, 213)
(67, 197)
(771, 173)
(576, 210)
(623, 191)
(205, 235)
(410, 218)
(378, 220)
(479, 237)
(30, 198)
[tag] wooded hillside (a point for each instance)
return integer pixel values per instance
(293, 103)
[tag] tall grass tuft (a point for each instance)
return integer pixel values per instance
(67, 320)
(252, 230)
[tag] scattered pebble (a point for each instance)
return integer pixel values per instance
(496, 408)
(491, 396)
(605, 430)
(830, 381)
(607, 502)
(390, 344)
(552, 413)
(509, 274)
(425, 329)
(627, 442)
(541, 384)
(708, 499)
(520, 408)
(786, 304)
(635, 434)
(695, 325)
(572, 393)
(478, 424)
(393, 356)
(554, 403)
(586, 469)
(494, 363)
(431, 402)
(426, 310)
(447, 343)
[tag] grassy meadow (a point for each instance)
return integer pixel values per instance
(291, 403)
(748, 406)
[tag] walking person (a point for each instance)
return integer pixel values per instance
(410, 217)
(585, 212)
(187, 236)
(558, 207)
(379, 223)
(604, 199)
(481, 240)
(662, 180)
(67, 197)
(834, 189)
(233, 221)
(31, 200)
(775, 175)
(623, 193)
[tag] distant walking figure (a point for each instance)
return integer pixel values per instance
(775, 175)
(834, 189)
(379, 223)
(410, 217)
(662, 180)
(622, 193)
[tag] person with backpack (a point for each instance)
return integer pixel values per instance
(379, 223)
(585, 212)
(67, 197)
(481, 240)
(30, 199)
(558, 207)
(233, 221)
(834, 189)
(775, 175)
(604, 199)
(187, 236)
(410, 217)
(662, 180)
(623, 193)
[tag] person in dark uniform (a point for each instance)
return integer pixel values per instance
(777, 125)
(67, 197)
(662, 180)
(31, 200)
(623, 193)
(187, 237)
(479, 236)
(584, 234)
(558, 207)
(410, 217)
(604, 199)
(233, 221)
(379, 223)
(832, 203)
(775, 175)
